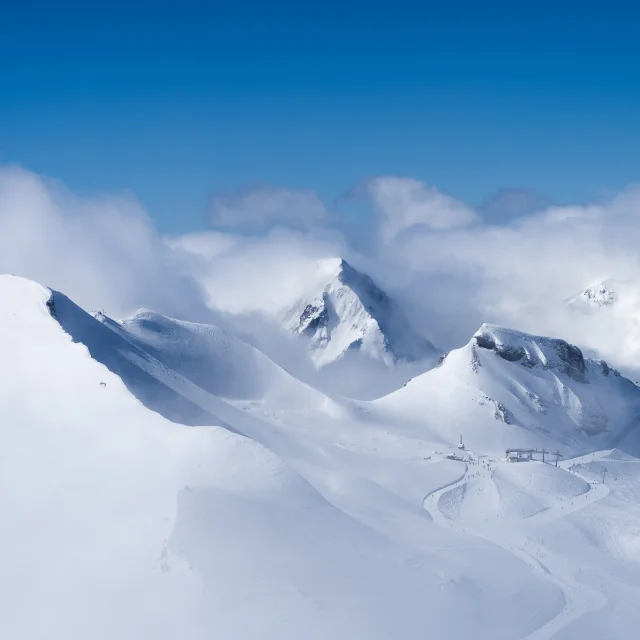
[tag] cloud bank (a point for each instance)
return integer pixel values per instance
(406, 203)
(450, 267)
(104, 251)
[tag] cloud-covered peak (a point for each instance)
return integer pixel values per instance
(601, 294)
(350, 312)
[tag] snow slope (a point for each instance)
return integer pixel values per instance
(214, 360)
(123, 524)
(510, 389)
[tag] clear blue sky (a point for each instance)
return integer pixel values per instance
(176, 101)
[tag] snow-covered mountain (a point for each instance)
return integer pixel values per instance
(350, 313)
(601, 294)
(295, 515)
(215, 360)
(506, 389)
(126, 525)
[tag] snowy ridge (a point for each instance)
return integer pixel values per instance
(215, 360)
(352, 313)
(187, 372)
(506, 388)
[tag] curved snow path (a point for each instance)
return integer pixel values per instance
(579, 598)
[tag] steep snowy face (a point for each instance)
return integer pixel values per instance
(351, 313)
(535, 351)
(602, 294)
(506, 388)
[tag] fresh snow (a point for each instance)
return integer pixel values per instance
(283, 512)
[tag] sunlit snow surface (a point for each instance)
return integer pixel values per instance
(302, 516)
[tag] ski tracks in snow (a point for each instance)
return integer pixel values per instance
(562, 573)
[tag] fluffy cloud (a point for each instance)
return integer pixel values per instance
(522, 274)
(246, 274)
(406, 203)
(104, 252)
(257, 208)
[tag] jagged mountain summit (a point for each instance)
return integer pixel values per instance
(506, 388)
(350, 313)
(601, 294)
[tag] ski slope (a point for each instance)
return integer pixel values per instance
(485, 520)
(290, 514)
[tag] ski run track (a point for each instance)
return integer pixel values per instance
(579, 598)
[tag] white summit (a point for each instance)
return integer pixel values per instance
(348, 312)
(601, 294)
(506, 388)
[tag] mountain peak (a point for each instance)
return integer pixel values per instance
(340, 269)
(350, 312)
(533, 351)
(517, 389)
(601, 294)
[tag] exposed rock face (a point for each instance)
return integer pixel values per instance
(51, 305)
(522, 390)
(314, 318)
(532, 351)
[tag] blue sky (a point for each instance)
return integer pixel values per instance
(177, 104)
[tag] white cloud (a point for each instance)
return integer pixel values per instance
(404, 203)
(260, 273)
(259, 207)
(521, 274)
(102, 251)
